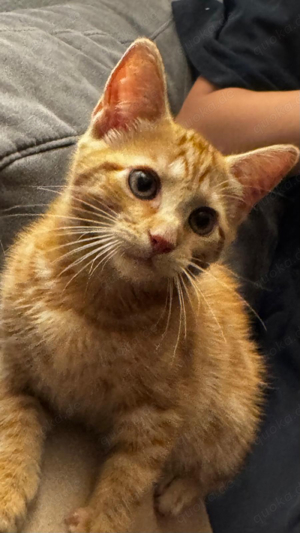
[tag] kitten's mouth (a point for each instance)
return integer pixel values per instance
(140, 260)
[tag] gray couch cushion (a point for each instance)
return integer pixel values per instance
(11, 5)
(54, 62)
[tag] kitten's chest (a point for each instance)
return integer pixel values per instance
(92, 371)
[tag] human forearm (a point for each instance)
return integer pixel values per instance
(237, 120)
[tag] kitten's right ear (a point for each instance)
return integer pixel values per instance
(136, 89)
(260, 171)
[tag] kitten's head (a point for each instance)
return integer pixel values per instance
(159, 196)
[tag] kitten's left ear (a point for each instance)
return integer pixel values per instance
(136, 89)
(260, 171)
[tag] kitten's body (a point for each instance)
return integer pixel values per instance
(121, 357)
(126, 350)
(161, 363)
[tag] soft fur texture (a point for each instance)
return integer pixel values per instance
(153, 350)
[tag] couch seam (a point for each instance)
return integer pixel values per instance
(160, 30)
(35, 149)
(155, 34)
(53, 33)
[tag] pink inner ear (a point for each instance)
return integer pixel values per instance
(254, 189)
(135, 90)
(261, 170)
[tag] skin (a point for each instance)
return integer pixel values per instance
(236, 120)
(131, 341)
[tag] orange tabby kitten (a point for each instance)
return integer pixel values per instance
(116, 304)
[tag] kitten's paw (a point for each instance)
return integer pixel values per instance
(171, 497)
(78, 521)
(87, 520)
(12, 512)
(7, 525)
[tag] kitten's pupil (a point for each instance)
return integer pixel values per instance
(144, 183)
(203, 220)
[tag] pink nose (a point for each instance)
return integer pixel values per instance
(160, 245)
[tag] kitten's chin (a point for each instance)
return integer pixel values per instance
(140, 270)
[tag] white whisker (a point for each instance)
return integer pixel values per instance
(232, 290)
(79, 240)
(211, 310)
(86, 256)
(109, 246)
(95, 242)
(88, 204)
(183, 306)
(106, 259)
(177, 284)
(170, 293)
(108, 256)
(35, 215)
(187, 291)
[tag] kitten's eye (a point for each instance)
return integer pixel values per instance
(144, 183)
(203, 220)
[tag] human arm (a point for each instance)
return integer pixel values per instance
(237, 120)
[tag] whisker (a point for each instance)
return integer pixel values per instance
(95, 241)
(179, 323)
(233, 290)
(101, 216)
(104, 233)
(2, 247)
(170, 292)
(230, 194)
(87, 239)
(101, 202)
(93, 270)
(23, 206)
(165, 307)
(216, 187)
(35, 215)
(238, 198)
(193, 285)
(84, 266)
(62, 186)
(108, 215)
(115, 242)
(86, 256)
(183, 306)
(73, 230)
(238, 276)
(211, 311)
(246, 303)
(268, 191)
(182, 314)
(109, 256)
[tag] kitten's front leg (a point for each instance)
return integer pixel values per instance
(22, 434)
(142, 441)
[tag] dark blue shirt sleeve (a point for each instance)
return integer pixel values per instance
(254, 44)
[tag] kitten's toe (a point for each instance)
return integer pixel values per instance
(12, 512)
(175, 496)
(163, 484)
(7, 526)
(78, 521)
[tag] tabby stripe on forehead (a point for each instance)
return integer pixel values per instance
(204, 173)
(104, 167)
